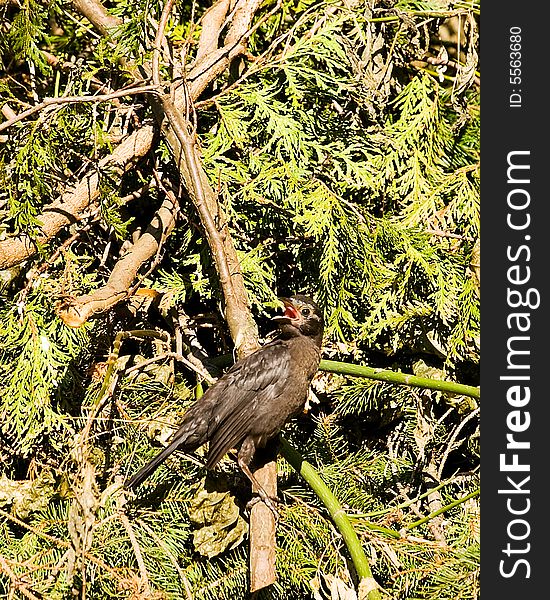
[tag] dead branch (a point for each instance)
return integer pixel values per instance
(76, 311)
(97, 14)
(52, 102)
(197, 368)
(182, 140)
(65, 211)
(237, 313)
(137, 552)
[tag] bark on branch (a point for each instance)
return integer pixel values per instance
(239, 319)
(77, 311)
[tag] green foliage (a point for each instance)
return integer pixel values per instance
(35, 368)
(346, 169)
(373, 271)
(28, 31)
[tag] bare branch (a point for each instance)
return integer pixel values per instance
(66, 210)
(212, 24)
(48, 102)
(197, 368)
(217, 60)
(97, 14)
(157, 44)
(77, 311)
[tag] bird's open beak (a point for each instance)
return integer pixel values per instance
(290, 313)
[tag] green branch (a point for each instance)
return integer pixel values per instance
(450, 387)
(337, 514)
(443, 509)
(402, 533)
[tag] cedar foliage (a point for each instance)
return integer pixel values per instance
(348, 167)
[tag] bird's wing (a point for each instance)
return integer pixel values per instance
(253, 382)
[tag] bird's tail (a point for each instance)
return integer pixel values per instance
(180, 441)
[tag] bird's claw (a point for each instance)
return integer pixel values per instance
(269, 501)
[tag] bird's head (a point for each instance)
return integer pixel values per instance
(301, 317)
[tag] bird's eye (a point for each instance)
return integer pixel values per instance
(305, 312)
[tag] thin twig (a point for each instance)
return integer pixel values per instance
(17, 584)
(32, 275)
(159, 38)
(137, 552)
(49, 102)
(443, 509)
(63, 544)
(450, 445)
(175, 355)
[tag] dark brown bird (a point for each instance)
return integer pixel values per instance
(251, 403)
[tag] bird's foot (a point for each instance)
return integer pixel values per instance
(270, 501)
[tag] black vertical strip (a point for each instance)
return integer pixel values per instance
(515, 300)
